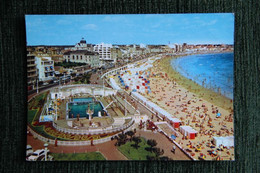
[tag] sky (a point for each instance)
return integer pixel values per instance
(207, 28)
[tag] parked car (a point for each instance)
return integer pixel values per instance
(29, 150)
(45, 83)
(35, 155)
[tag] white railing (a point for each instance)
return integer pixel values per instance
(147, 107)
(93, 131)
(75, 143)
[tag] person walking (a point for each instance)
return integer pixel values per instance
(173, 149)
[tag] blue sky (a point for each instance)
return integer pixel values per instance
(130, 29)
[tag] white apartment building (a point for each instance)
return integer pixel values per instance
(104, 51)
(45, 68)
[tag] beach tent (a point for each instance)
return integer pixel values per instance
(227, 141)
(176, 122)
(188, 131)
(152, 105)
(114, 84)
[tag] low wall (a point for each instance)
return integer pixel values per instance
(75, 143)
(93, 131)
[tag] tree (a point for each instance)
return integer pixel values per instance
(121, 139)
(130, 134)
(136, 140)
(158, 152)
(151, 142)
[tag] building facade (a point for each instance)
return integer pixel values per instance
(31, 69)
(45, 67)
(82, 45)
(104, 51)
(82, 56)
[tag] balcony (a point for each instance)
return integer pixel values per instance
(31, 75)
(31, 70)
(31, 65)
(30, 59)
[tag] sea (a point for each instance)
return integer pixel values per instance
(212, 71)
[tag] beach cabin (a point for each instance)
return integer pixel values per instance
(175, 122)
(227, 141)
(188, 131)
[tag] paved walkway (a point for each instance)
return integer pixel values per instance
(108, 149)
(165, 144)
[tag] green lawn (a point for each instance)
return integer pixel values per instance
(31, 114)
(77, 156)
(34, 102)
(135, 154)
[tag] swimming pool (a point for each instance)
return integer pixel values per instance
(83, 99)
(81, 105)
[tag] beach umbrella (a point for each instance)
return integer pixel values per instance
(173, 137)
(218, 114)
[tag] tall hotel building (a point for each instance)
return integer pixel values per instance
(45, 66)
(104, 51)
(31, 69)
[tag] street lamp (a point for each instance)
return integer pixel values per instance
(64, 78)
(37, 87)
(37, 79)
(125, 103)
(45, 151)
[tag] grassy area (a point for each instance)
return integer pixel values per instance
(135, 154)
(37, 101)
(33, 111)
(200, 91)
(68, 64)
(31, 115)
(77, 156)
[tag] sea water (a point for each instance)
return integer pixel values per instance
(212, 71)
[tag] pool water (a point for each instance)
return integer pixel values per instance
(80, 106)
(83, 99)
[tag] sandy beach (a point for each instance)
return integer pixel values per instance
(195, 106)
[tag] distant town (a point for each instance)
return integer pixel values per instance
(60, 64)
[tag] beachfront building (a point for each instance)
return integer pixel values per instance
(178, 47)
(104, 51)
(116, 53)
(155, 48)
(31, 69)
(45, 68)
(83, 56)
(82, 45)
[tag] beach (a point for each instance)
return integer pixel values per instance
(195, 106)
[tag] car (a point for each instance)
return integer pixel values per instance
(45, 83)
(35, 155)
(29, 150)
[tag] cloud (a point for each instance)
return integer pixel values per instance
(89, 27)
(63, 22)
(156, 25)
(210, 23)
(116, 19)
